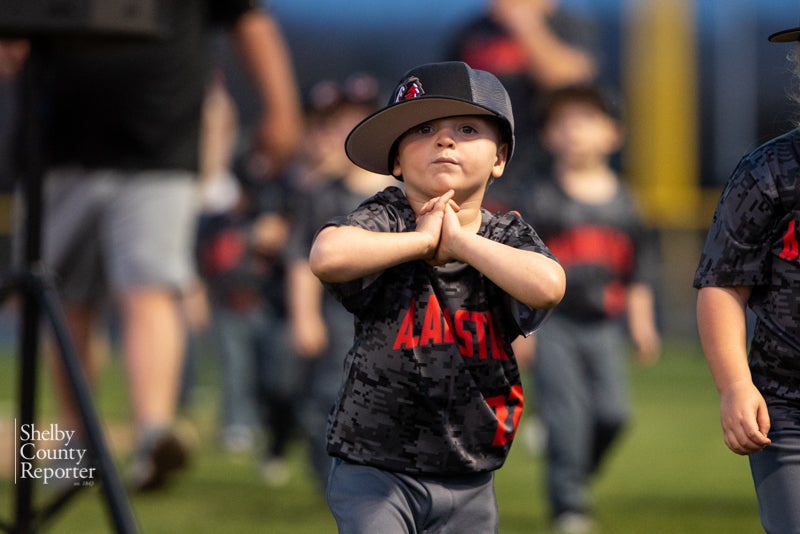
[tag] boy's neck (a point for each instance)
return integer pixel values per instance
(595, 184)
(470, 217)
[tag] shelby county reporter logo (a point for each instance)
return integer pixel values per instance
(50, 453)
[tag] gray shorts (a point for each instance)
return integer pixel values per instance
(366, 500)
(109, 230)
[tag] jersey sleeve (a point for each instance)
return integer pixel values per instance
(737, 247)
(303, 228)
(512, 230)
(381, 213)
(646, 264)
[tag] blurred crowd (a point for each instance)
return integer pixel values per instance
(253, 202)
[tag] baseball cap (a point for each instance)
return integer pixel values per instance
(785, 36)
(358, 89)
(428, 92)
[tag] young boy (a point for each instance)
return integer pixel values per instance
(590, 222)
(751, 259)
(439, 288)
(321, 329)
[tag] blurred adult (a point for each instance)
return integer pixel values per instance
(120, 195)
(532, 46)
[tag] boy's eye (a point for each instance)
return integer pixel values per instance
(429, 128)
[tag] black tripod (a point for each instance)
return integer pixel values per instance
(39, 298)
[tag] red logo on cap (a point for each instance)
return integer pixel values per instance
(411, 88)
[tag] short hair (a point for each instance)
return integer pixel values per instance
(600, 98)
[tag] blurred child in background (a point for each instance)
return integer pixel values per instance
(242, 233)
(321, 330)
(589, 220)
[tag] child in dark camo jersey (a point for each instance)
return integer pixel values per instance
(322, 330)
(439, 289)
(752, 260)
(587, 216)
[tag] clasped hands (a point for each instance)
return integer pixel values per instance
(438, 219)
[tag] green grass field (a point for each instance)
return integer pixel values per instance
(669, 474)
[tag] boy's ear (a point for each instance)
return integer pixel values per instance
(500, 160)
(545, 138)
(396, 170)
(619, 137)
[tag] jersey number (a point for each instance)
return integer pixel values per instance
(791, 250)
(507, 422)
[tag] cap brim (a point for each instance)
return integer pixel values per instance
(785, 36)
(370, 142)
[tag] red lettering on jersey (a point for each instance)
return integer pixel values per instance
(449, 337)
(498, 352)
(480, 321)
(594, 244)
(791, 249)
(473, 331)
(405, 336)
(224, 252)
(507, 426)
(461, 317)
(432, 333)
(615, 299)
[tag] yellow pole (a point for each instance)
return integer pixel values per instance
(661, 157)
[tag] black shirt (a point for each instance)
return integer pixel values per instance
(134, 104)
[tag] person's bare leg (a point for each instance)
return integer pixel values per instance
(153, 345)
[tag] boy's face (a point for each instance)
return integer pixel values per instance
(579, 130)
(328, 135)
(459, 153)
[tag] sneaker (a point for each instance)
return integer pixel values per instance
(238, 439)
(159, 454)
(574, 523)
(275, 472)
(534, 435)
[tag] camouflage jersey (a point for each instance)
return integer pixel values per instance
(603, 248)
(431, 384)
(753, 241)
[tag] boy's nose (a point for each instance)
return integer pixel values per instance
(445, 137)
